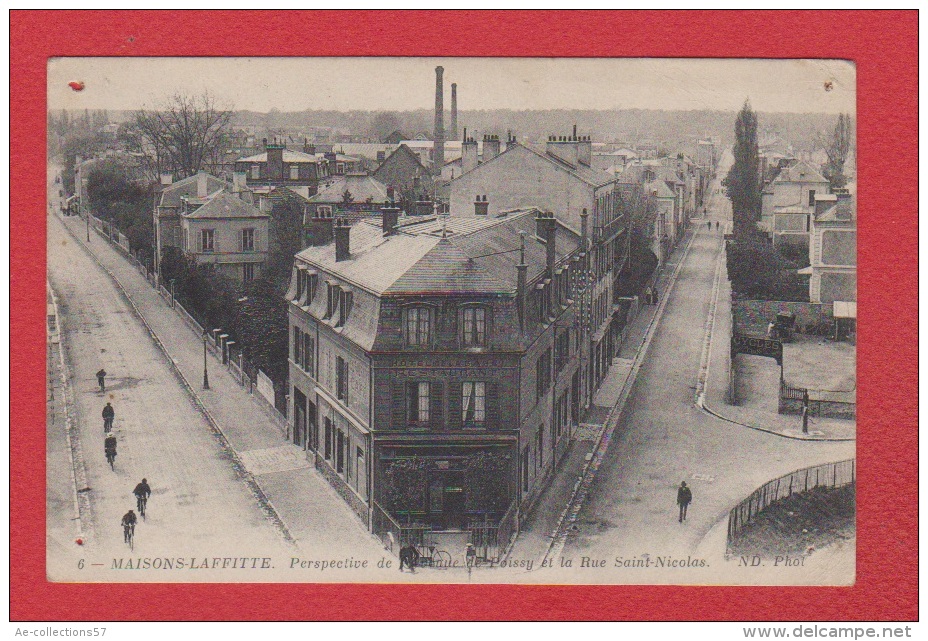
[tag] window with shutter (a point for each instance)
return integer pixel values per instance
(492, 405)
(455, 396)
(297, 344)
(398, 409)
(436, 402)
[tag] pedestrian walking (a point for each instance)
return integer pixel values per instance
(108, 415)
(101, 379)
(655, 296)
(716, 225)
(684, 498)
(409, 556)
(709, 225)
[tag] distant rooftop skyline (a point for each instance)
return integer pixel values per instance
(404, 84)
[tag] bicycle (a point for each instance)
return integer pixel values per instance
(111, 459)
(128, 531)
(141, 502)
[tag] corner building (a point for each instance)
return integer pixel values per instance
(434, 366)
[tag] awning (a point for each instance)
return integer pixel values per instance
(844, 309)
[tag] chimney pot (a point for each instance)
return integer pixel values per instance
(342, 233)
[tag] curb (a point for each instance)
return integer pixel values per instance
(704, 377)
(263, 501)
(588, 473)
(78, 471)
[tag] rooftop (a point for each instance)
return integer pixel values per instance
(289, 156)
(472, 256)
(800, 172)
(225, 205)
(362, 188)
(173, 194)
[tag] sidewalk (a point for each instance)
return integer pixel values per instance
(759, 410)
(539, 530)
(305, 506)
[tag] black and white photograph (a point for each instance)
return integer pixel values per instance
(451, 320)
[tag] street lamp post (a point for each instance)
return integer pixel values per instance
(87, 216)
(205, 370)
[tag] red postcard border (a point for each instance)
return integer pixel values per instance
(884, 46)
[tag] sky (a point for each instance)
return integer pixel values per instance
(399, 84)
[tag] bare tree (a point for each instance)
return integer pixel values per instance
(184, 135)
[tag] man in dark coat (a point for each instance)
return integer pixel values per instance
(108, 415)
(409, 556)
(684, 497)
(109, 446)
(101, 379)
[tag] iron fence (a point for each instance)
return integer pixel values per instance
(831, 475)
(393, 535)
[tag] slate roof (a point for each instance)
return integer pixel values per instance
(589, 175)
(361, 188)
(799, 172)
(663, 191)
(476, 256)
(289, 156)
(225, 205)
(172, 194)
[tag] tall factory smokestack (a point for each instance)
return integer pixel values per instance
(453, 131)
(438, 155)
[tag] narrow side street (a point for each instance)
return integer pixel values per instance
(662, 438)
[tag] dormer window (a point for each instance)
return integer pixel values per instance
(331, 303)
(294, 172)
(255, 172)
(324, 211)
(418, 326)
(474, 326)
(344, 306)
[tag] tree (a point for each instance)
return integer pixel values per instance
(837, 150)
(405, 482)
(261, 327)
(760, 272)
(641, 213)
(743, 182)
(383, 124)
(184, 135)
(116, 196)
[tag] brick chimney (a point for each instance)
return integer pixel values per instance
(468, 153)
(490, 147)
(585, 150)
(342, 233)
(202, 185)
(275, 161)
(546, 228)
(453, 129)
(481, 205)
(391, 217)
(438, 153)
(521, 281)
(308, 148)
(566, 148)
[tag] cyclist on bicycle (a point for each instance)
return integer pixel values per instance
(142, 491)
(109, 447)
(128, 525)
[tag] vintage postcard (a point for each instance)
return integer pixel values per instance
(452, 320)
